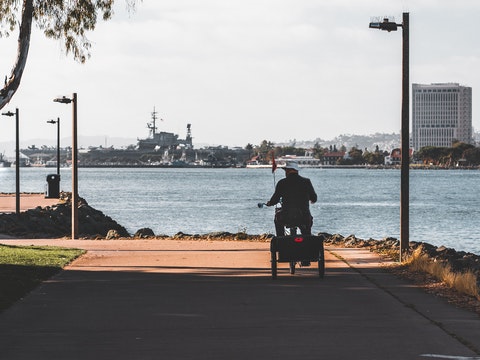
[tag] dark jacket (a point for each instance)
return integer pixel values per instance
(295, 192)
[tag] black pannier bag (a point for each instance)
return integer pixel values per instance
(297, 247)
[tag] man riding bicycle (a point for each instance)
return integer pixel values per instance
(295, 193)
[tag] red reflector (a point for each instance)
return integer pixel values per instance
(298, 239)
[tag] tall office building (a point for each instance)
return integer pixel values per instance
(441, 113)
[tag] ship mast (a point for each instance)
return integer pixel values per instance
(152, 126)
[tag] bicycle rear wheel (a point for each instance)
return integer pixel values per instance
(321, 263)
(274, 264)
(292, 267)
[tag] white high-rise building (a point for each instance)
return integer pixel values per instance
(441, 114)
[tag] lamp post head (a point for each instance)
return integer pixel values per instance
(386, 25)
(8, 113)
(51, 121)
(63, 100)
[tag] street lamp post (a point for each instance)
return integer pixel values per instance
(73, 100)
(387, 25)
(58, 142)
(17, 159)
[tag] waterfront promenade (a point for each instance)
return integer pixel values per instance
(179, 299)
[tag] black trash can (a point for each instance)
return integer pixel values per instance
(53, 186)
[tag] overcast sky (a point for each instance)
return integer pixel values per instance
(244, 71)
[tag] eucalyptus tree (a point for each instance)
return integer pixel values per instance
(318, 151)
(356, 156)
(65, 20)
(374, 158)
(264, 149)
(472, 155)
(458, 149)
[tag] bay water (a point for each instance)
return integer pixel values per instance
(444, 204)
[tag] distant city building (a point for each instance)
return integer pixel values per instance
(441, 114)
(333, 157)
(395, 157)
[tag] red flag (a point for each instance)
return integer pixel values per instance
(274, 164)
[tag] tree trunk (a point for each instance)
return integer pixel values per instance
(12, 84)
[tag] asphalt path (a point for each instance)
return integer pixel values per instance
(168, 299)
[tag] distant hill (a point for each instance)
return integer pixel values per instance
(384, 142)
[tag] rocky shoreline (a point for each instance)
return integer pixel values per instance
(459, 261)
(55, 222)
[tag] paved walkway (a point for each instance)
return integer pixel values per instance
(27, 201)
(167, 299)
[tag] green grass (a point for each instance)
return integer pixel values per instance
(22, 268)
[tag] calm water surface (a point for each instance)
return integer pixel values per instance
(444, 205)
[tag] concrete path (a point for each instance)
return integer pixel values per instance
(167, 299)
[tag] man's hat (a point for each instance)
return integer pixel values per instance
(291, 165)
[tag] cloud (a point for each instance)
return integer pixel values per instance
(244, 71)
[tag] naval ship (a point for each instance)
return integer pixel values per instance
(163, 140)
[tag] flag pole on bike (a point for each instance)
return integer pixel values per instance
(274, 167)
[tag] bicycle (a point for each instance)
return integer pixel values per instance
(295, 248)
